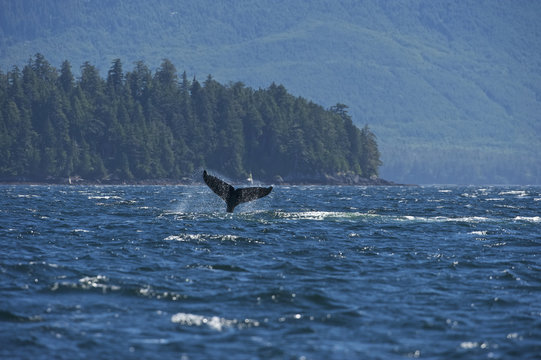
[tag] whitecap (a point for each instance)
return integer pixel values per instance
(469, 219)
(201, 237)
(409, 217)
(184, 237)
(472, 219)
(496, 244)
(534, 219)
(104, 197)
(519, 193)
(213, 322)
(319, 215)
(469, 345)
(478, 232)
(98, 281)
(472, 345)
(508, 206)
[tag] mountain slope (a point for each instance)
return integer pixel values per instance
(452, 90)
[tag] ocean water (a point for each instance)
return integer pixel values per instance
(148, 272)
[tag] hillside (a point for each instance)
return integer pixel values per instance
(452, 90)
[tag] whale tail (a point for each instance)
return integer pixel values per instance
(232, 196)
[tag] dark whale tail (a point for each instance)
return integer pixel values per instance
(232, 196)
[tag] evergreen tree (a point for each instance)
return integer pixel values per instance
(370, 156)
(66, 79)
(115, 78)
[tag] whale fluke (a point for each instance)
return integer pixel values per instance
(232, 196)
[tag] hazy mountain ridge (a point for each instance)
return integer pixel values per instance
(453, 90)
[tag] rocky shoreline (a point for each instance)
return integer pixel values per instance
(336, 179)
(323, 179)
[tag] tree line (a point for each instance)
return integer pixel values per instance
(140, 124)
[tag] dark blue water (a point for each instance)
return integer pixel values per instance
(305, 273)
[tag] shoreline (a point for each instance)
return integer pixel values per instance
(324, 181)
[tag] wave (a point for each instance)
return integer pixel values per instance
(519, 193)
(102, 284)
(325, 215)
(8, 316)
(355, 215)
(467, 219)
(104, 197)
(99, 282)
(149, 292)
(43, 263)
(484, 232)
(344, 215)
(534, 219)
(201, 237)
(213, 322)
(28, 196)
(186, 237)
(320, 215)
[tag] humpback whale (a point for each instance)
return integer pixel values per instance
(232, 196)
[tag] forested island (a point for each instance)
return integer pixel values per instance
(140, 126)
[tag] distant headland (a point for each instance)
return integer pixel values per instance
(144, 127)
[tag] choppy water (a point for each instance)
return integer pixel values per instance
(308, 272)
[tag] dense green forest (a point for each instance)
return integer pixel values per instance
(154, 125)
